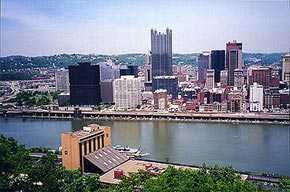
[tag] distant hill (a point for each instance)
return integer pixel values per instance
(11, 63)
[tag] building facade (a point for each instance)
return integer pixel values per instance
(224, 78)
(239, 78)
(84, 81)
(169, 83)
(203, 65)
(127, 92)
(217, 62)
(107, 91)
(260, 75)
(256, 99)
(210, 76)
(75, 145)
(160, 99)
(62, 80)
(234, 59)
(161, 53)
(286, 68)
(129, 70)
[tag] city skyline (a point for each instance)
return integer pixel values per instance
(34, 28)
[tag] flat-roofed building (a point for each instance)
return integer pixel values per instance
(75, 145)
(160, 99)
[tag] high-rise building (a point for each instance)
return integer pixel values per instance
(148, 68)
(286, 68)
(75, 145)
(210, 75)
(234, 59)
(169, 83)
(161, 53)
(239, 78)
(256, 97)
(127, 92)
(217, 62)
(224, 78)
(203, 65)
(62, 80)
(84, 81)
(261, 75)
(106, 71)
(107, 91)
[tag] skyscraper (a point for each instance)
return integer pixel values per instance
(203, 65)
(62, 80)
(234, 59)
(210, 76)
(286, 68)
(161, 53)
(217, 62)
(256, 97)
(84, 84)
(106, 71)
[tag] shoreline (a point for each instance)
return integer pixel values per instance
(177, 120)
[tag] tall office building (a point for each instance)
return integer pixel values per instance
(84, 81)
(106, 71)
(148, 68)
(224, 78)
(210, 76)
(256, 97)
(203, 65)
(286, 68)
(107, 91)
(62, 80)
(217, 62)
(127, 92)
(234, 59)
(239, 78)
(161, 53)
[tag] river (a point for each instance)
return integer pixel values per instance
(246, 147)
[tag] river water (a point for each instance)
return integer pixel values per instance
(246, 147)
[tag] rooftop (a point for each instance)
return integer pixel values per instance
(106, 158)
(87, 131)
(133, 166)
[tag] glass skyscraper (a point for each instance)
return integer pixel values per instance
(161, 50)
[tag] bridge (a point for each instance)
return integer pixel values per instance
(141, 115)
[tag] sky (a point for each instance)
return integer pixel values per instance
(48, 27)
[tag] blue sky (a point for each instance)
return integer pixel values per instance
(40, 27)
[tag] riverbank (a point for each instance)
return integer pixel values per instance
(261, 118)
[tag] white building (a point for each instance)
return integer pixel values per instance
(256, 97)
(62, 80)
(127, 92)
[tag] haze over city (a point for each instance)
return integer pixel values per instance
(33, 28)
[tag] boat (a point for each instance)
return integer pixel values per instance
(130, 152)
